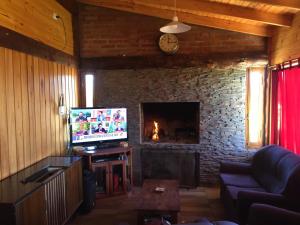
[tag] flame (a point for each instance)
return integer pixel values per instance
(155, 136)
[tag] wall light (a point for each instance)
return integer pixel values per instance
(175, 27)
(61, 105)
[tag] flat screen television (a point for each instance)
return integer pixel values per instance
(91, 126)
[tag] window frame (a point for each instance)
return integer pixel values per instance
(90, 89)
(260, 142)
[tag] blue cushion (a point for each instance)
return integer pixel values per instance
(233, 191)
(224, 223)
(286, 168)
(204, 221)
(240, 180)
(265, 163)
(201, 221)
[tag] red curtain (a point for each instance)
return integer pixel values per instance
(285, 117)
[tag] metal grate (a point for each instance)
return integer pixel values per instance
(55, 194)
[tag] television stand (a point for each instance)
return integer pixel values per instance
(97, 147)
(113, 168)
(108, 145)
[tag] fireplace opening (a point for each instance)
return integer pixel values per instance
(171, 122)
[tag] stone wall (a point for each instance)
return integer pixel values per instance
(220, 90)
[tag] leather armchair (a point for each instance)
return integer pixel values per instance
(261, 214)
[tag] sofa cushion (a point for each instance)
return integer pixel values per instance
(240, 180)
(269, 181)
(224, 223)
(233, 191)
(287, 169)
(264, 165)
(201, 221)
(230, 200)
(206, 222)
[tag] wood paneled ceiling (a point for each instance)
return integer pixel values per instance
(257, 17)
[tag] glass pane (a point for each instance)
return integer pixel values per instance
(118, 178)
(89, 90)
(255, 114)
(100, 179)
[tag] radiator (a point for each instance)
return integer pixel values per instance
(55, 194)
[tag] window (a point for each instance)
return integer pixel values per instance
(255, 106)
(89, 90)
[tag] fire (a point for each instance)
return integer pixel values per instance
(155, 136)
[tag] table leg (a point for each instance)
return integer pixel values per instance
(140, 218)
(174, 216)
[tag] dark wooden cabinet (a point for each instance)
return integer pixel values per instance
(74, 194)
(111, 177)
(113, 169)
(118, 177)
(47, 193)
(31, 210)
(102, 173)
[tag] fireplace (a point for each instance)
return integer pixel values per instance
(171, 122)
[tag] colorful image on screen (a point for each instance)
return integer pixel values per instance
(91, 125)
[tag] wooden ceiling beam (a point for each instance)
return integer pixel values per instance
(214, 8)
(293, 4)
(262, 30)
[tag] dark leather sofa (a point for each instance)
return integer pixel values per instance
(273, 178)
(261, 214)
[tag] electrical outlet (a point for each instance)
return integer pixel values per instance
(55, 16)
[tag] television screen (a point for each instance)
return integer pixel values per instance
(98, 124)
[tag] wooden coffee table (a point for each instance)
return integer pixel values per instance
(152, 203)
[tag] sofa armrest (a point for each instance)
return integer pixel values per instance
(201, 221)
(261, 214)
(235, 167)
(246, 198)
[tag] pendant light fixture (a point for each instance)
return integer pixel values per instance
(175, 27)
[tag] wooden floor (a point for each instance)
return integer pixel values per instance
(119, 210)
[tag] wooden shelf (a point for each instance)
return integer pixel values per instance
(107, 163)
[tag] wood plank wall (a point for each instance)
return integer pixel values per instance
(284, 44)
(30, 127)
(34, 19)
